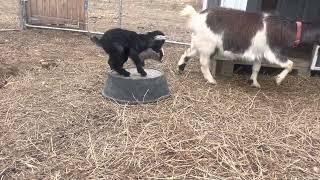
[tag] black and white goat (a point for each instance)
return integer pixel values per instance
(237, 34)
(120, 44)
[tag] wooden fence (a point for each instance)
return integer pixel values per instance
(57, 12)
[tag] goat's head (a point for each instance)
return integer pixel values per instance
(156, 41)
(150, 54)
(95, 40)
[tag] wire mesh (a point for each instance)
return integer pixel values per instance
(137, 15)
(142, 16)
(103, 15)
(9, 14)
(149, 15)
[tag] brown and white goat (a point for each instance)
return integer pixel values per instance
(237, 34)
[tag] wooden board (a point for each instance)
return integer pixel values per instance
(57, 12)
(225, 66)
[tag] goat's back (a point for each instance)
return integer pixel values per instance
(238, 27)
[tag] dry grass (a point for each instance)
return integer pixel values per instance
(9, 14)
(56, 125)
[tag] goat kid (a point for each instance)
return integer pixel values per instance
(236, 34)
(120, 44)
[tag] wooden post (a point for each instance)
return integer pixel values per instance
(226, 68)
(210, 4)
(120, 14)
(21, 14)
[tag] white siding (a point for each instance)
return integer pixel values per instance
(204, 4)
(235, 4)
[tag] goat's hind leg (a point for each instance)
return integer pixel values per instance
(288, 65)
(282, 62)
(116, 62)
(255, 71)
(187, 55)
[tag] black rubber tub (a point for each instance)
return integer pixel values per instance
(136, 89)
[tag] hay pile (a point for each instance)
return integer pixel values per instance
(55, 123)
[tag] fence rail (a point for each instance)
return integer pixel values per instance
(96, 16)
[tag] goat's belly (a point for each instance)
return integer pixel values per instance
(206, 44)
(247, 56)
(230, 55)
(234, 56)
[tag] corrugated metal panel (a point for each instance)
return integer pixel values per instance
(211, 3)
(235, 4)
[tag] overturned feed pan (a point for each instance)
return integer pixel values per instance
(136, 89)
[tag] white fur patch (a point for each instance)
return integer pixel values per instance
(160, 37)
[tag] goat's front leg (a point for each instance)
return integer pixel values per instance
(143, 63)
(138, 62)
(122, 71)
(189, 53)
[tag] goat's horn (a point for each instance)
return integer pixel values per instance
(160, 37)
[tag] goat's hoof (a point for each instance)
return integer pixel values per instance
(180, 72)
(254, 84)
(279, 80)
(143, 74)
(182, 67)
(213, 82)
(126, 74)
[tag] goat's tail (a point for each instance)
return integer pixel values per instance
(188, 11)
(95, 40)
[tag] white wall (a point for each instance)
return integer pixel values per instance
(204, 4)
(235, 4)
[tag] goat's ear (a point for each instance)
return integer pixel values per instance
(160, 38)
(95, 40)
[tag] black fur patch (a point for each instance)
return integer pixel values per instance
(182, 67)
(186, 59)
(238, 27)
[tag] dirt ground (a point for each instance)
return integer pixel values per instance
(55, 123)
(9, 14)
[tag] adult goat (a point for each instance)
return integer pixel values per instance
(236, 34)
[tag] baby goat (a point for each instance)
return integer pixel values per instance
(120, 44)
(242, 35)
